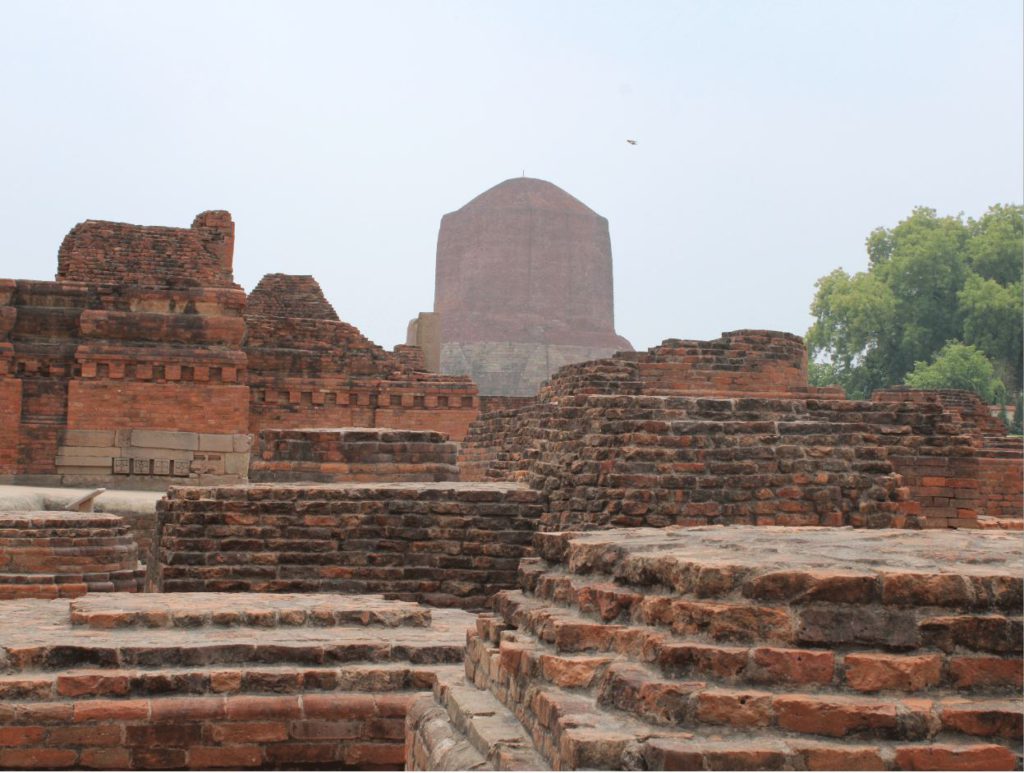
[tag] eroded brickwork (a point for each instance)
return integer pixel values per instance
(174, 681)
(708, 649)
(446, 544)
(46, 555)
(319, 372)
(353, 454)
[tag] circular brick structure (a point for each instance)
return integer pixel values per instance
(63, 554)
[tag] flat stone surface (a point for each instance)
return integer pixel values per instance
(19, 498)
(159, 610)
(765, 548)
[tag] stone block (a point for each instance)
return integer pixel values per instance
(67, 460)
(104, 451)
(223, 443)
(89, 437)
(150, 438)
(241, 443)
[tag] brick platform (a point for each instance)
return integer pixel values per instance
(159, 681)
(742, 648)
(446, 544)
(354, 454)
(58, 554)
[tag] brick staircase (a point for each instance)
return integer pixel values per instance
(158, 681)
(745, 648)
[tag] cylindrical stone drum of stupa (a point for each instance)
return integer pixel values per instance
(523, 287)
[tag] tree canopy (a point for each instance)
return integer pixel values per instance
(931, 281)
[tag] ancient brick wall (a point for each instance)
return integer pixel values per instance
(320, 372)
(289, 295)
(446, 544)
(353, 454)
(986, 480)
(744, 362)
(99, 252)
(609, 452)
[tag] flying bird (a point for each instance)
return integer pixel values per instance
(631, 142)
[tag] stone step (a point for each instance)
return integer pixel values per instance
(153, 610)
(53, 586)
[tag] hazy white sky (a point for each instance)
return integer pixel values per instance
(773, 136)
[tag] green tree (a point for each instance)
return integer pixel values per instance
(993, 320)
(929, 280)
(958, 366)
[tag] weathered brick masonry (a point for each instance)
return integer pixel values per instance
(446, 544)
(684, 435)
(48, 555)
(353, 454)
(143, 333)
(741, 649)
(159, 681)
(319, 372)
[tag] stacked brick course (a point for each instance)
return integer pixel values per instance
(445, 544)
(987, 482)
(318, 372)
(740, 649)
(354, 454)
(47, 555)
(168, 681)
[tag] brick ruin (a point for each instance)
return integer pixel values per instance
(144, 364)
(523, 286)
(685, 558)
(315, 371)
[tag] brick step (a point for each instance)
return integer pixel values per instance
(855, 672)
(487, 724)
(625, 719)
(893, 568)
(738, 620)
(128, 683)
(153, 610)
(52, 586)
(434, 743)
(218, 648)
(616, 678)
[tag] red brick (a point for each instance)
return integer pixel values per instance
(339, 706)
(21, 736)
(940, 757)
(821, 716)
(242, 732)
(262, 707)
(37, 758)
(105, 759)
(361, 754)
(842, 758)
(190, 708)
(86, 735)
(741, 708)
(796, 666)
(874, 672)
(105, 710)
(203, 757)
